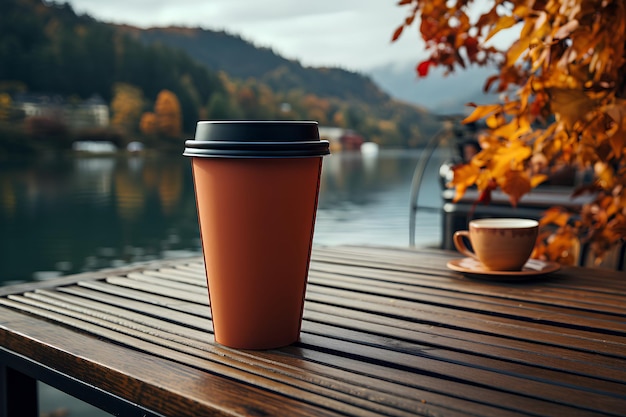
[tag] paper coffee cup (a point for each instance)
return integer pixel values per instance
(256, 186)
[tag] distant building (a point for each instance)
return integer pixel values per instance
(39, 105)
(332, 135)
(92, 112)
(340, 138)
(351, 140)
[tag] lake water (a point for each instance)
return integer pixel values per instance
(67, 215)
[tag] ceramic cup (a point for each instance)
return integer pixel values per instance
(499, 244)
(256, 186)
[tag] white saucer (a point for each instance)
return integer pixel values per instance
(531, 268)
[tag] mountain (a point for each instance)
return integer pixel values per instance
(221, 51)
(397, 122)
(437, 92)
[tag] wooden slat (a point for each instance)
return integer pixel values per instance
(480, 323)
(177, 275)
(492, 346)
(138, 291)
(552, 285)
(454, 294)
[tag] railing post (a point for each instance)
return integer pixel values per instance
(418, 175)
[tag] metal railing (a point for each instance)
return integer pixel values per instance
(443, 136)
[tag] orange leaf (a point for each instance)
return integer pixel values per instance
(618, 143)
(489, 82)
(397, 33)
(464, 174)
(471, 45)
(515, 184)
(485, 197)
(554, 215)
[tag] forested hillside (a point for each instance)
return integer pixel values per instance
(240, 59)
(201, 74)
(48, 49)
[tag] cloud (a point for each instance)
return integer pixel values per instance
(351, 34)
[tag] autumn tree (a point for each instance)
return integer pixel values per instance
(126, 106)
(168, 114)
(148, 124)
(317, 108)
(564, 86)
(5, 106)
(247, 100)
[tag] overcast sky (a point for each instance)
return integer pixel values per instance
(351, 34)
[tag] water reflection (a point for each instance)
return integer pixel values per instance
(365, 199)
(93, 179)
(72, 215)
(63, 216)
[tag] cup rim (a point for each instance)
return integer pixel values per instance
(236, 149)
(504, 223)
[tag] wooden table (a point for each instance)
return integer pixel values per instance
(386, 331)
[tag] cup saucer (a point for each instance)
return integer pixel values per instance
(532, 268)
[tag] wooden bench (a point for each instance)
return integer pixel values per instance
(456, 215)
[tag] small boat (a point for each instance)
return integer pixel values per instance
(135, 147)
(369, 148)
(94, 147)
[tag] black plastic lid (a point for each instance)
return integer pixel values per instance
(256, 139)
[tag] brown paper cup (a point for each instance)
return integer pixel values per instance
(256, 211)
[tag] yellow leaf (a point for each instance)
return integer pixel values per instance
(504, 22)
(570, 105)
(535, 180)
(485, 181)
(492, 121)
(481, 112)
(505, 131)
(516, 50)
(509, 158)
(465, 175)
